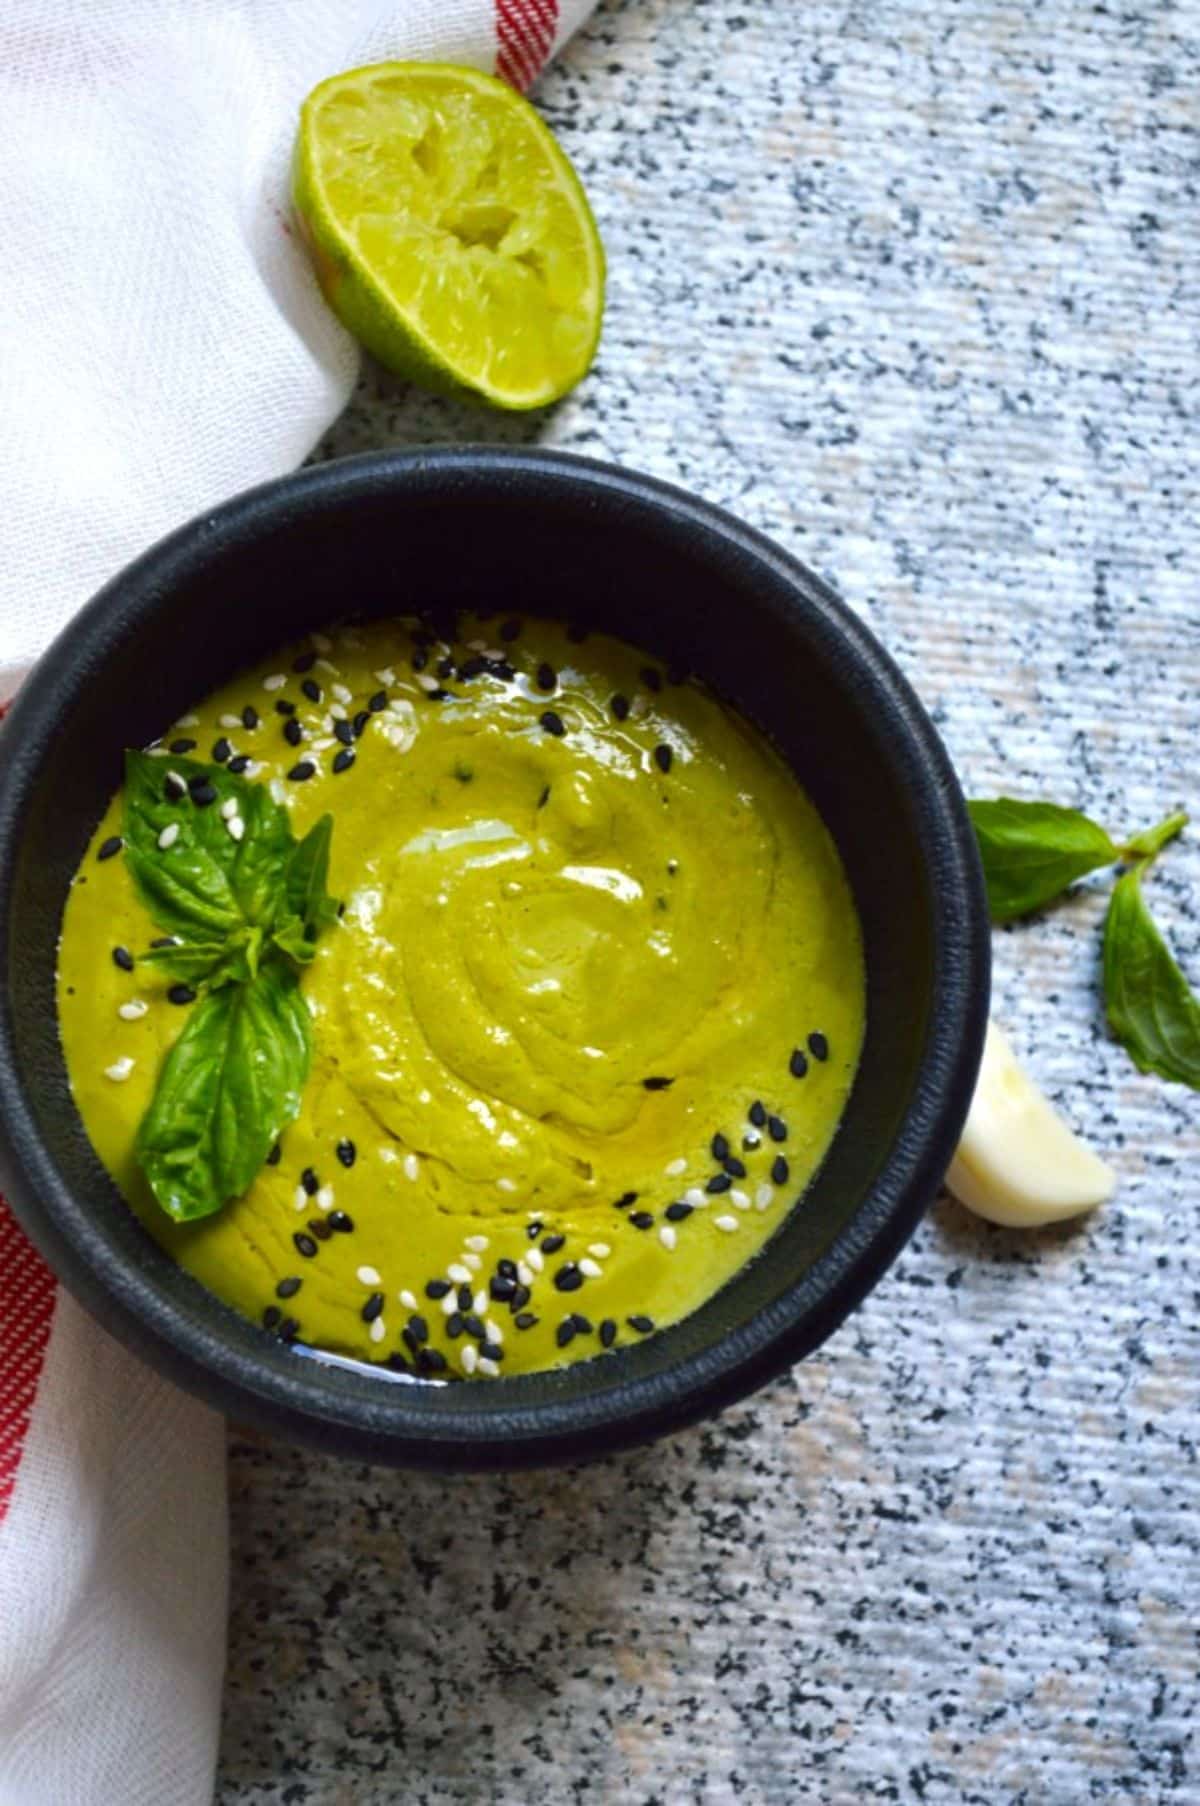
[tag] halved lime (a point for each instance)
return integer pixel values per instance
(449, 231)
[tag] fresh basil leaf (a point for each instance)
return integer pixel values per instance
(1031, 852)
(211, 962)
(230, 1083)
(306, 883)
(263, 853)
(1152, 1010)
(185, 887)
(294, 939)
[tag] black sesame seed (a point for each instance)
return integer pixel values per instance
(678, 1213)
(339, 1220)
(311, 689)
(182, 747)
(304, 1244)
(379, 700)
(720, 1148)
(358, 725)
(758, 1115)
(502, 1289)
(202, 792)
(643, 1325)
(734, 1167)
(620, 706)
(320, 1228)
(304, 663)
(287, 1288)
(525, 1320)
(344, 732)
(372, 1308)
(109, 847)
(346, 1151)
(284, 707)
(310, 1182)
(625, 1200)
(273, 1158)
(300, 773)
(464, 1298)
(568, 1278)
(343, 760)
(547, 677)
(657, 1083)
(454, 1325)
(507, 1269)
(491, 1351)
(582, 1324)
(663, 756)
(818, 1046)
(651, 678)
(520, 1298)
(797, 1065)
(642, 1219)
(544, 798)
(438, 695)
(565, 1333)
(553, 1243)
(419, 660)
(293, 733)
(552, 722)
(123, 958)
(776, 1128)
(509, 629)
(222, 751)
(181, 994)
(501, 668)
(533, 1231)
(289, 1329)
(779, 1170)
(431, 1360)
(472, 667)
(250, 717)
(473, 1326)
(419, 1328)
(398, 1364)
(718, 1183)
(272, 1317)
(437, 1288)
(240, 764)
(608, 1332)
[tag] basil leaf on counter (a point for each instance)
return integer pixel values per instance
(1031, 852)
(1151, 1008)
(231, 1082)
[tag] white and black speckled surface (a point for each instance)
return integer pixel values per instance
(917, 290)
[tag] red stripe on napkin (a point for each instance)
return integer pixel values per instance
(525, 34)
(27, 1291)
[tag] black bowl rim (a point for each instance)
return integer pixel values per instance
(375, 1424)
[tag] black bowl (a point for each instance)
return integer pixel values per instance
(540, 533)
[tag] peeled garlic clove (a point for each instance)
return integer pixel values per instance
(1018, 1163)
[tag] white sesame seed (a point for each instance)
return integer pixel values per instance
(174, 777)
(340, 693)
(666, 1236)
(494, 1333)
(120, 1069)
(323, 664)
(367, 1276)
(728, 1224)
(739, 1199)
(252, 766)
(378, 1330)
(536, 1259)
(476, 645)
(236, 826)
(494, 652)
(336, 712)
(600, 1249)
(591, 1268)
(229, 807)
(698, 1199)
(386, 676)
(408, 1301)
(478, 1242)
(763, 1196)
(470, 1358)
(130, 1012)
(459, 1274)
(188, 721)
(473, 1261)
(426, 682)
(169, 835)
(412, 1167)
(231, 721)
(449, 1305)
(321, 643)
(276, 681)
(524, 1273)
(676, 1167)
(489, 1367)
(506, 1185)
(300, 1198)
(325, 1198)
(479, 1303)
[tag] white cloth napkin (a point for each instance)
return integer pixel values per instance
(162, 345)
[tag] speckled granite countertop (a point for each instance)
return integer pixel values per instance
(918, 291)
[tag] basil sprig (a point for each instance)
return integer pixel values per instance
(1032, 852)
(244, 907)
